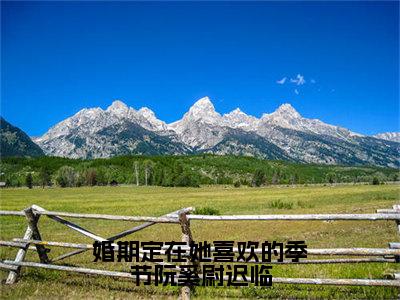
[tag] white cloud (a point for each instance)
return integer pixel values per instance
(296, 91)
(299, 80)
(282, 81)
(313, 81)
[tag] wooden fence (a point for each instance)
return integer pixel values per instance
(32, 240)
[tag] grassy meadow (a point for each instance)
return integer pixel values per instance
(156, 201)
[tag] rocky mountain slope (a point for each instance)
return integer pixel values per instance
(283, 134)
(15, 142)
(96, 133)
(389, 136)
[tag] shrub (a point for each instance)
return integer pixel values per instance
(375, 181)
(186, 180)
(66, 177)
(236, 184)
(259, 178)
(91, 177)
(395, 177)
(207, 210)
(278, 204)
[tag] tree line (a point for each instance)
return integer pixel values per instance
(180, 171)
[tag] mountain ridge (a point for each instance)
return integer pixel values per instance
(389, 136)
(15, 142)
(283, 134)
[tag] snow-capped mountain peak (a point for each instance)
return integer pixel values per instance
(196, 124)
(235, 112)
(88, 113)
(389, 136)
(118, 108)
(154, 123)
(238, 119)
(284, 116)
(203, 108)
(204, 102)
(147, 113)
(287, 110)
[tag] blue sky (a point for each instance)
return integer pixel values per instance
(59, 57)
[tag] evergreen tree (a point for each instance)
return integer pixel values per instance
(395, 177)
(44, 177)
(29, 180)
(330, 177)
(259, 178)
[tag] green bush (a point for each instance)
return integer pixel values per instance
(278, 204)
(90, 176)
(207, 210)
(375, 181)
(186, 180)
(259, 178)
(66, 177)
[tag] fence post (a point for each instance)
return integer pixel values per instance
(32, 232)
(397, 207)
(397, 258)
(187, 238)
(32, 222)
(13, 275)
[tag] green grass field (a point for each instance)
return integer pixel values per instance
(156, 201)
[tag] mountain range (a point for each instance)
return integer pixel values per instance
(283, 134)
(15, 142)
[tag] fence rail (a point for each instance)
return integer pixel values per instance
(20, 243)
(391, 215)
(32, 241)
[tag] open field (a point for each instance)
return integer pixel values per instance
(156, 201)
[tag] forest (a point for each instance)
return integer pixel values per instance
(171, 171)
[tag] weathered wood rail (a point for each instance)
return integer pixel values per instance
(32, 240)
